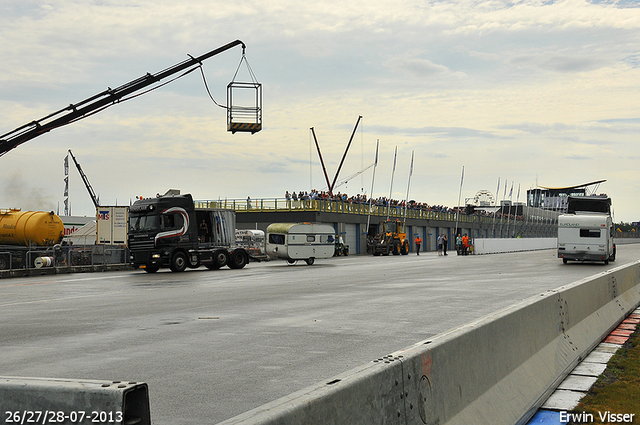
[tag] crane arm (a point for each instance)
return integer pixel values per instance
(99, 101)
(92, 194)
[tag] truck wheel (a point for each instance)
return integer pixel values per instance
(239, 259)
(179, 262)
(310, 261)
(220, 259)
(405, 248)
(396, 248)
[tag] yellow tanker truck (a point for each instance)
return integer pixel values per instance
(27, 235)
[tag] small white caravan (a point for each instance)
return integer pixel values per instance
(300, 241)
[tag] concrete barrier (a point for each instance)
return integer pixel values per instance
(494, 246)
(496, 370)
(65, 401)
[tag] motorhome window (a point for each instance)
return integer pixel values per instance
(589, 233)
(144, 222)
(311, 238)
(276, 239)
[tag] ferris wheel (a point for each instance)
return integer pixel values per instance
(483, 198)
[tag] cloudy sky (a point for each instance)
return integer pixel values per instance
(529, 92)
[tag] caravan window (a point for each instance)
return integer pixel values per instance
(589, 233)
(275, 238)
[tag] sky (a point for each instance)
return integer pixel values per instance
(528, 93)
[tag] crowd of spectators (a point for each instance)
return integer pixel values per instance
(384, 201)
(362, 199)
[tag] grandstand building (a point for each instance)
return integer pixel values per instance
(555, 198)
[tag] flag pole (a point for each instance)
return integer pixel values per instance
(515, 215)
(375, 165)
(504, 196)
(406, 200)
(494, 213)
(510, 203)
(395, 156)
(459, 197)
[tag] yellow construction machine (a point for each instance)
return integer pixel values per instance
(392, 239)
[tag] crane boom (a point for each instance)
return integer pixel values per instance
(102, 100)
(92, 194)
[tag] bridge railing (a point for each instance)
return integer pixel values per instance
(338, 206)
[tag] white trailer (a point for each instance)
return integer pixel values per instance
(586, 237)
(300, 241)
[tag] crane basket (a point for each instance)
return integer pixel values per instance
(244, 107)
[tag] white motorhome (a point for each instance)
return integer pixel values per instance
(586, 232)
(300, 241)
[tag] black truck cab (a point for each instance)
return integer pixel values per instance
(168, 231)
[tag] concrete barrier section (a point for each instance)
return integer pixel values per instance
(494, 246)
(64, 401)
(496, 370)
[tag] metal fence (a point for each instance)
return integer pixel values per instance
(62, 256)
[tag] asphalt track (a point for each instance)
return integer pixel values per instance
(213, 344)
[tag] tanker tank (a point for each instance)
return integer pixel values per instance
(24, 228)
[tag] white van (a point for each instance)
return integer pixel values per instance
(586, 237)
(300, 241)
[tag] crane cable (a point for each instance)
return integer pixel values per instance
(251, 74)
(206, 86)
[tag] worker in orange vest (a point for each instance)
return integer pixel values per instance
(418, 243)
(465, 244)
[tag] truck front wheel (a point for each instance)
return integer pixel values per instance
(179, 262)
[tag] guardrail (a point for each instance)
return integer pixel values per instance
(496, 370)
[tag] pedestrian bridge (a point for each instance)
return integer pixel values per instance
(355, 221)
